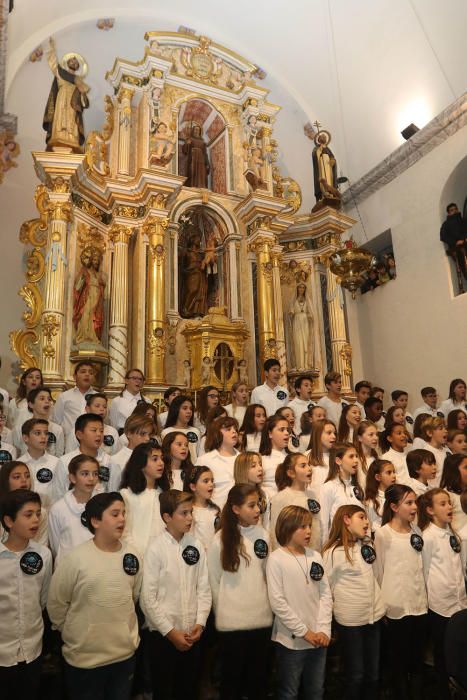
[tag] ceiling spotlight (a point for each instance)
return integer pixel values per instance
(409, 131)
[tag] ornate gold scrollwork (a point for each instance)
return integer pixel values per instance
(91, 236)
(267, 269)
(346, 354)
(35, 264)
(156, 342)
(32, 297)
(294, 271)
(270, 348)
(21, 343)
(34, 231)
(50, 325)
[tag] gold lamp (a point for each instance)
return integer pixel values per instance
(350, 264)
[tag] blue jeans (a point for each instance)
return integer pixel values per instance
(111, 682)
(361, 651)
(295, 666)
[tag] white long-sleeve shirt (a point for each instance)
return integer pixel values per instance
(205, 522)
(69, 405)
(18, 413)
(42, 471)
(355, 590)
(222, 467)
(270, 464)
(399, 571)
(253, 441)
(449, 405)
(375, 513)
(424, 408)
(237, 412)
(293, 497)
(298, 606)
(270, 399)
(143, 520)
(299, 406)
(175, 592)
(399, 460)
(440, 454)
(333, 409)
(24, 583)
(67, 528)
(91, 602)
(444, 574)
(240, 598)
(333, 494)
(55, 440)
(122, 407)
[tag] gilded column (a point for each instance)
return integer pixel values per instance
(53, 310)
(261, 245)
(118, 322)
(279, 311)
(155, 320)
(341, 350)
(124, 134)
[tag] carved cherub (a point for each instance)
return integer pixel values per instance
(242, 367)
(187, 373)
(206, 369)
(164, 146)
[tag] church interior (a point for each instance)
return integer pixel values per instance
(195, 189)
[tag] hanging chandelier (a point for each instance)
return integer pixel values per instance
(350, 264)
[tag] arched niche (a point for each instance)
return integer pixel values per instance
(203, 261)
(200, 113)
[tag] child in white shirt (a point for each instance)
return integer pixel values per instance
(25, 571)
(422, 470)
(248, 469)
(42, 465)
(92, 603)
(380, 476)
(302, 402)
(176, 600)
(67, 523)
(332, 401)
(221, 455)
(243, 617)
(97, 404)
(123, 406)
(40, 404)
(18, 407)
(72, 403)
(180, 419)
(271, 394)
(199, 482)
(273, 450)
(301, 601)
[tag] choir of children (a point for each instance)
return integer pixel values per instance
(300, 525)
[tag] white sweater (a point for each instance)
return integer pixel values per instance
(292, 497)
(444, 573)
(222, 468)
(270, 464)
(175, 592)
(355, 591)
(399, 570)
(240, 598)
(333, 494)
(143, 520)
(92, 603)
(298, 606)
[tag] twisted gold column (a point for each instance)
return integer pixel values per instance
(118, 326)
(155, 321)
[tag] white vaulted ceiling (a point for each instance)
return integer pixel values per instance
(364, 68)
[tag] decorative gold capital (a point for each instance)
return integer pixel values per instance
(120, 234)
(125, 94)
(158, 201)
(61, 211)
(261, 244)
(60, 184)
(154, 224)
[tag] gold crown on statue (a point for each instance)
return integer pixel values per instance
(90, 236)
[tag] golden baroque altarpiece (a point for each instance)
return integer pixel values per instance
(173, 243)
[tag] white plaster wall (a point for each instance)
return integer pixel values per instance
(412, 332)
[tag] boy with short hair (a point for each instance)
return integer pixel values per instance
(97, 404)
(89, 429)
(67, 524)
(377, 392)
(362, 393)
(332, 400)
(72, 403)
(176, 599)
(42, 465)
(400, 398)
(169, 395)
(5, 433)
(302, 402)
(430, 402)
(138, 430)
(422, 468)
(270, 394)
(374, 412)
(40, 404)
(25, 571)
(92, 603)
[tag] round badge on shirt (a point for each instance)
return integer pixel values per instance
(281, 395)
(310, 406)
(190, 555)
(31, 563)
(440, 414)
(192, 437)
(109, 440)
(295, 441)
(104, 473)
(409, 420)
(84, 520)
(5, 456)
(356, 493)
(130, 564)
(416, 542)
(368, 553)
(313, 506)
(261, 549)
(44, 475)
(51, 438)
(217, 523)
(316, 571)
(455, 544)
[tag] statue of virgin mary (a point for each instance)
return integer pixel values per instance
(301, 336)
